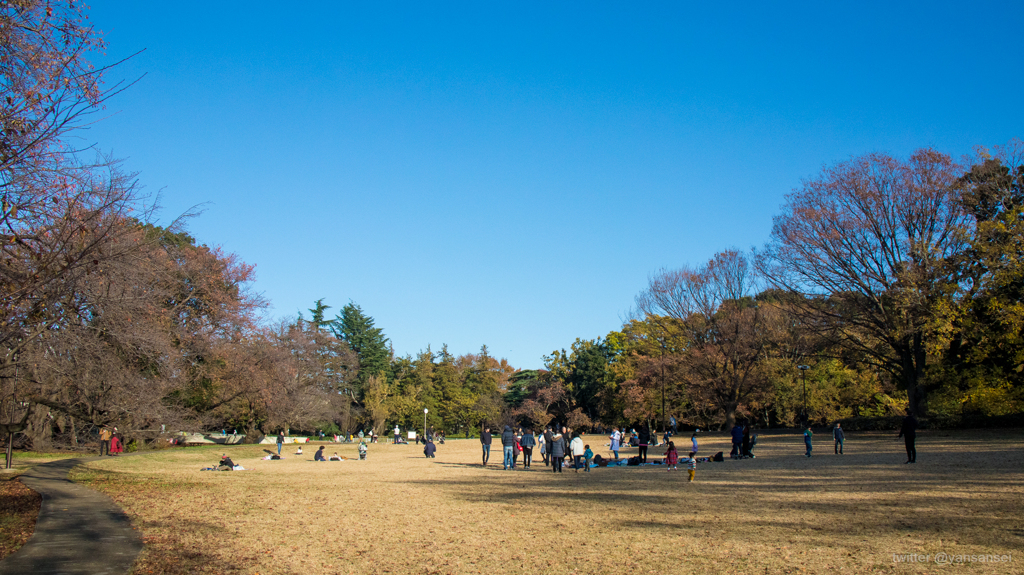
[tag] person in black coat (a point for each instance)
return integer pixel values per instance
(909, 434)
(643, 439)
(527, 442)
(485, 443)
(429, 448)
(319, 455)
(508, 443)
(547, 445)
(557, 451)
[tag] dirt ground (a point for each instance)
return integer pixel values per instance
(398, 512)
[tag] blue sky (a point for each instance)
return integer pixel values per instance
(509, 174)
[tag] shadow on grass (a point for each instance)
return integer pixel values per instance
(964, 497)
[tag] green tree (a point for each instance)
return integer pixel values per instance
(368, 342)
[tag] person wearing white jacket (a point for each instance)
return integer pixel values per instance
(577, 450)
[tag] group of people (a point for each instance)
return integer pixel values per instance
(111, 442)
(319, 455)
(672, 458)
(555, 444)
(908, 432)
(742, 442)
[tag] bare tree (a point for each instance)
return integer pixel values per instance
(868, 242)
(727, 331)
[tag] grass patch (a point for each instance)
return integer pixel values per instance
(398, 512)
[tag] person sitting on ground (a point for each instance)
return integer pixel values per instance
(319, 456)
(336, 457)
(429, 448)
(298, 451)
(225, 463)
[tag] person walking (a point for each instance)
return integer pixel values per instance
(557, 451)
(693, 440)
(643, 439)
(116, 443)
(616, 438)
(908, 431)
(280, 441)
(508, 442)
(528, 442)
(837, 434)
(485, 444)
(105, 435)
(807, 439)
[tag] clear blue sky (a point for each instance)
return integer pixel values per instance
(510, 173)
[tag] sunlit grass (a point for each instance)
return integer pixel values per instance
(398, 512)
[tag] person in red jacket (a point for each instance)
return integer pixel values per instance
(671, 456)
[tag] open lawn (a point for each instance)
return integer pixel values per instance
(399, 512)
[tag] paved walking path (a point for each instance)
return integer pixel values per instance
(79, 531)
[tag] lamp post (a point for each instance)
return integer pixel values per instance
(803, 372)
(424, 425)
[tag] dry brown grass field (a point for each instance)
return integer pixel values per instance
(399, 512)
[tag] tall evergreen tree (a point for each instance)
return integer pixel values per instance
(318, 322)
(357, 330)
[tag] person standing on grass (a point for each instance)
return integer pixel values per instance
(485, 444)
(908, 431)
(577, 449)
(548, 435)
(837, 434)
(643, 439)
(671, 456)
(557, 451)
(616, 438)
(280, 441)
(737, 441)
(116, 443)
(508, 442)
(692, 465)
(105, 435)
(807, 439)
(528, 441)
(517, 448)
(398, 434)
(588, 456)
(693, 440)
